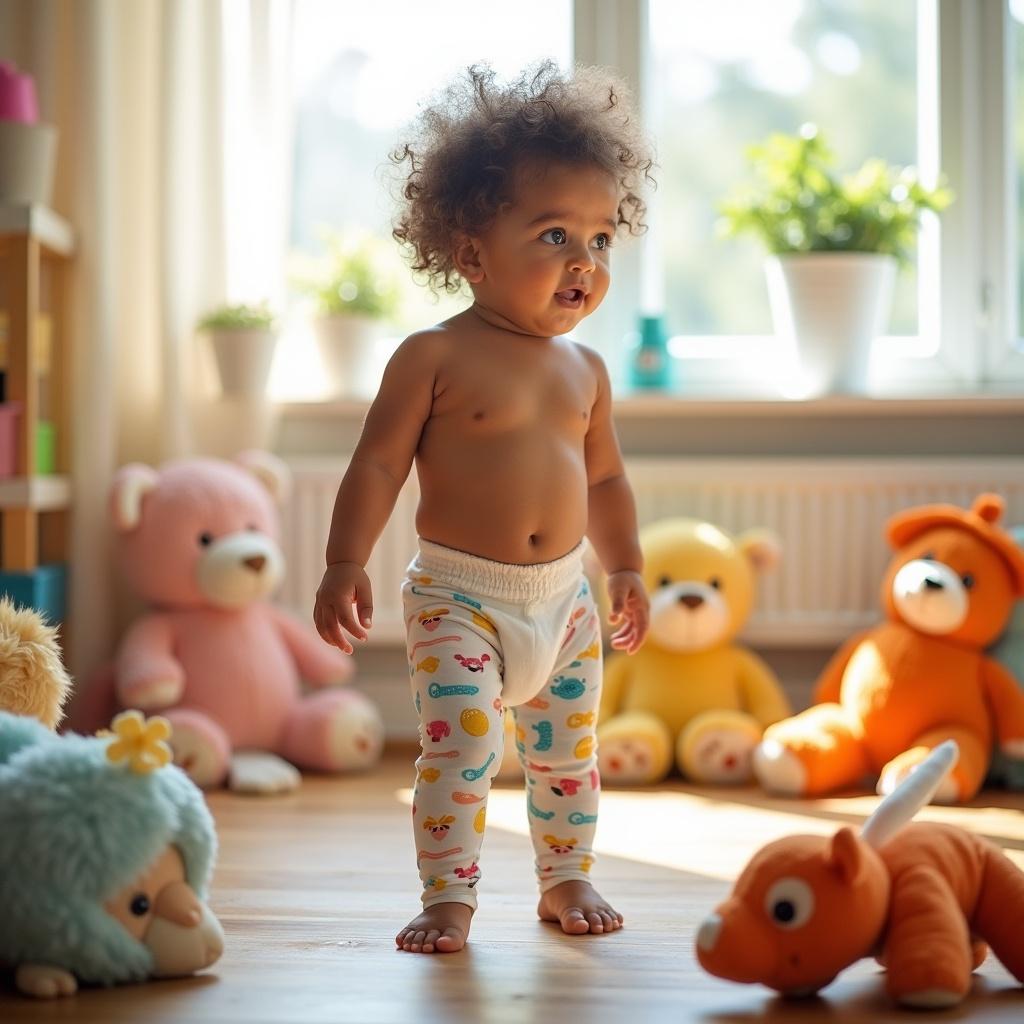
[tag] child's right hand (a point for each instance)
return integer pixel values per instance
(344, 584)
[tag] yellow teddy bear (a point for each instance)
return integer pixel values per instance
(690, 694)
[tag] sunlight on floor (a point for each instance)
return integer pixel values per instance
(716, 836)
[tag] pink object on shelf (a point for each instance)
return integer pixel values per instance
(17, 96)
(9, 413)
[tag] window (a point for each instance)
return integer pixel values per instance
(359, 72)
(1016, 123)
(934, 83)
(727, 74)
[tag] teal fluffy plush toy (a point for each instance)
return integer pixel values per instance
(106, 853)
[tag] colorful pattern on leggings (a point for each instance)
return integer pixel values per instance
(458, 647)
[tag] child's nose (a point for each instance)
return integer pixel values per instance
(581, 259)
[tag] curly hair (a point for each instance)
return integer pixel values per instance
(458, 168)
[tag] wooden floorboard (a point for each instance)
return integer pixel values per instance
(312, 887)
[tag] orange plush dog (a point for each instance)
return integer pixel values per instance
(893, 693)
(920, 896)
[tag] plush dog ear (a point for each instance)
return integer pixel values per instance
(271, 471)
(846, 857)
(762, 547)
(131, 484)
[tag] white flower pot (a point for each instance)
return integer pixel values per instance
(832, 305)
(243, 360)
(347, 345)
(28, 157)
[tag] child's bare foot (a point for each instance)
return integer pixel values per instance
(443, 928)
(578, 908)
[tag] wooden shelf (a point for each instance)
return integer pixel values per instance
(35, 244)
(41, 223)
(39, 493)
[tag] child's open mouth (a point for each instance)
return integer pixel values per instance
(571, 298)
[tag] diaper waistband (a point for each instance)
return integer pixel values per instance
(504, 581)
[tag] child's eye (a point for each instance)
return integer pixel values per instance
(556, 236)
(602, 241)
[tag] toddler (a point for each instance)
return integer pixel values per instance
(518, 191)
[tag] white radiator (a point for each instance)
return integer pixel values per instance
(829, 514)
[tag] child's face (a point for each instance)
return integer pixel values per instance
(543, 264)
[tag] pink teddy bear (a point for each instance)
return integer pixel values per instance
(198, 540)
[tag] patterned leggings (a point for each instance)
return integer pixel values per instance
(482, 637)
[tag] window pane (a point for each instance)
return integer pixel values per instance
(1016, 98)
(729, 73)
(361, 71)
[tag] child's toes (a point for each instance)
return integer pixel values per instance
(595, 922)
(451, 941)
(573, 922)
(431, 940)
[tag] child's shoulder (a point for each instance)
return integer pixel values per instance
(427, 345)
(590, 356)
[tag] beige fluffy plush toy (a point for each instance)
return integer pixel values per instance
(32, 676)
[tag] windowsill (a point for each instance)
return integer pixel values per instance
(994, 401)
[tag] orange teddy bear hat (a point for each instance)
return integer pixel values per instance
(915, 894)
(981, 520)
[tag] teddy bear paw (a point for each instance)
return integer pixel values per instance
(778, 769)
(627, 761)
(198, 750)
(152, 694)
(256, 771)
(719, 756)
(356, 736)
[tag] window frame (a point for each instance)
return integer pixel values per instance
(964, 128)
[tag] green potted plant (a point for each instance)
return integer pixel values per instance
(355, 290)
(836, 243)
(243, 338)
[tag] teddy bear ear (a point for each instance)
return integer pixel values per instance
(762, 547)
(271, 471)
(131, 484)
(989, 507)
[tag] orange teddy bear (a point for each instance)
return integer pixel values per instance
(893, 693)
(925, 898)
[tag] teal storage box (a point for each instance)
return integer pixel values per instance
(43, 588)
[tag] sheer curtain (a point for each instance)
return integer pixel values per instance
(172, 168)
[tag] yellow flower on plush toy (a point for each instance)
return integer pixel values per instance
(140, 741)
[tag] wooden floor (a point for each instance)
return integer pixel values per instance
(312, 887)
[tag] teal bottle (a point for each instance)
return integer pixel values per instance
(651, 366)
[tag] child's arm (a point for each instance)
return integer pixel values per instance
(370, 487)
(611, 524)
(317, 664)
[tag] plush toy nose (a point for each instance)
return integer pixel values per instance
(933, 584)
(691, 600)
(177, 902)
(256, 563)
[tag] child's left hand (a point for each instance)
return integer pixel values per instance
(631, 607)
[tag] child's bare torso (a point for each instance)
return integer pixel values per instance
(501, 460)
